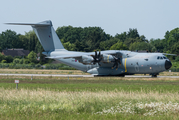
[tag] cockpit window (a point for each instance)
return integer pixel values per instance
(161, 57)
(164, 57)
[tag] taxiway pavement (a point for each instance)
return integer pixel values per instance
(57, 75)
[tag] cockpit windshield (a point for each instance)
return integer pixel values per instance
(161, 57)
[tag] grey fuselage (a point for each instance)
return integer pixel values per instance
(132, 63)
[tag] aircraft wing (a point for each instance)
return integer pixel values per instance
(66, 56)
(78, 55)
(169, 54)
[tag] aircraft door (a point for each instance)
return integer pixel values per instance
(136, 67)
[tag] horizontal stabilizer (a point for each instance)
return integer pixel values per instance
(45, 23)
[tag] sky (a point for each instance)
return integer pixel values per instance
(152, 18)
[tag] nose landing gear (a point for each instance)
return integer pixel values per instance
(154, 75)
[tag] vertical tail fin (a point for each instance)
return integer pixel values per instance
(46, 35)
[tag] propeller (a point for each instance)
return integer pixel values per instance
(97, 58)
(117, 61)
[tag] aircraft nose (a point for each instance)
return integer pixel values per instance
(168, 64)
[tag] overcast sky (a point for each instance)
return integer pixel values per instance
(152, 18)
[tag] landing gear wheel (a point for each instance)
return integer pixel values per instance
(121, 75)
(154, 75)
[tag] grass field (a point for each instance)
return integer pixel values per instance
(89, 98)
(41, 71)
(63, 72)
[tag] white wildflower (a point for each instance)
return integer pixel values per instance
(149, 108)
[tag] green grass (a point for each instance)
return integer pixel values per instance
(89, 98)
(93, 84)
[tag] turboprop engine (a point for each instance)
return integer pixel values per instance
(87, 59)
(110, 58)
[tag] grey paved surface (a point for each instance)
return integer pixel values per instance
(57, 75)
(53, 75)
(147, 76)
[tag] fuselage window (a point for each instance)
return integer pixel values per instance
(158, 57)
(161, 57)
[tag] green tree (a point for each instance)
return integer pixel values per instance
(32, 57)
(25, 42)
(42, 60)
(21, 61)
(9, 59)
(175, 48)
(33, 43)
(82, 39)
(129, 41)
(2, 57)
(9, 39)
(26, 61)
(177, 59)
(119, 46)
(69, 46)
(171, 39)
(16, 61)
(158, 43)
(121, 36)
(3, 61)
(142, 46)
(78, 46)
(133, 33)
(106, 45)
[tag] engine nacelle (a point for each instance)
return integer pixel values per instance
(108, 58)
(87, 59)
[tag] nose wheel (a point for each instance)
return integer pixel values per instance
(154, 75)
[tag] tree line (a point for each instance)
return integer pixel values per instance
(94, 38)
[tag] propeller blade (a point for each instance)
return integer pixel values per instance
(116, 66)
(117, 61)
(95, 54)
(97, 58)
(99, 54)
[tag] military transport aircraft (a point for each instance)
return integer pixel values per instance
(101, 63)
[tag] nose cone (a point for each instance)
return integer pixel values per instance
(168, 64)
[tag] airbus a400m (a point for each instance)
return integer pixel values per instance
(102, 63)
